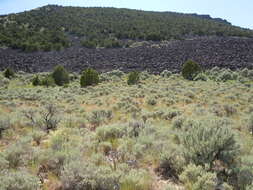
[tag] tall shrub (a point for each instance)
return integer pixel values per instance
(60, 75)
(190, 70)
(89, 77)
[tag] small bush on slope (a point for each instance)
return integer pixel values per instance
(48, 81)
(89, 77)
(60, 75)
(133, 78)
(9, 73)
(190, 70)
(36, 81)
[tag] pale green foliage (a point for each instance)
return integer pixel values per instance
(249, 187)
(18, 180)
(15, 152)
(205, 142)
(166, 73)
(250, 125)
(37, 136)
(169, 187)
(114, 75)
(110, 132)
(4, 164)
(136, 180)
(201, 77)
(78, 175)
(97, 117)
(196, 178)
(4, 124)
(226, 75)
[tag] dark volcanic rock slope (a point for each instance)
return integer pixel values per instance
(230, 52)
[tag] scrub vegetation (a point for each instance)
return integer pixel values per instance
(163, 133)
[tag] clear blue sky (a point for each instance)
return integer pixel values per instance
(239, 12)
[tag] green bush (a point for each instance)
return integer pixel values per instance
(190, 70)
(89, 77)
(9, 73)
(36, 81)
(60, 75)
(133, 78)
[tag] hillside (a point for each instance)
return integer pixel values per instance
(51, 27)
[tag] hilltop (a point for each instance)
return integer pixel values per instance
(54, 27)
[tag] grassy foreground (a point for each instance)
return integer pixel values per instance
(164, 133)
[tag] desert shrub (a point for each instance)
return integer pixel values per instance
(77, 175)
(105, 133)
(225, 75)
(4, 164)
(4, 124)
(117, 73)
(89, 77)
(178, 122)
(99, 116)
(190, 70)
(37, 136)
(46, 119)
(151, 101)
(36, 81)
(18, 180)
(171, 113)
(166, 73)
(60, 75)
(14, 152)
(135, 127)
(230, 110)
(48, 81)
(250, 124)
(245, 177)
(201, 77)
(171, 163)
(50, 118)
(244, 72)
(112, 75)
(136, 180)
(9, 73)
(133, 78)
(206, 142)
(4, 81)
(144, 75)
(196, 178)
